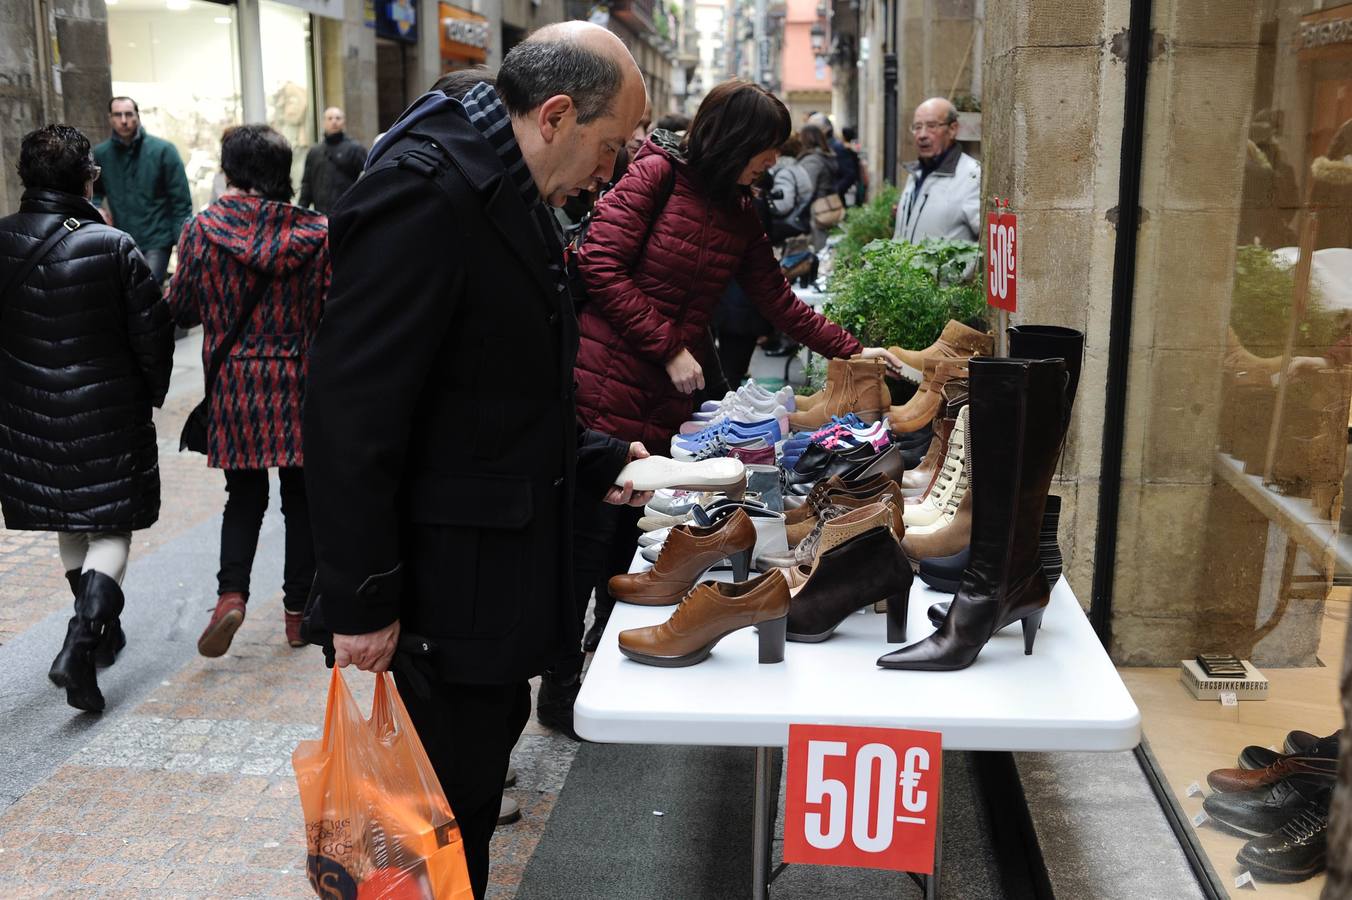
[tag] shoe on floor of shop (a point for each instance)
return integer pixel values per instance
(1263, 810)
(1297, 743)
(225, 621)
(509, 811)
(1229, 781)
(1296, 851)
(554, 703)
(656, 472)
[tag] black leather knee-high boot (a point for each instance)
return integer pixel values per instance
(98, 603)
(1017, 422)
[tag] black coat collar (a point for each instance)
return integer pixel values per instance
(44, 200)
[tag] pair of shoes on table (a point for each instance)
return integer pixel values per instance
(1022, 407)
(854, 385)
(840, 437)
(687, 553)
(737, 412)
(818, 464)
(750, 395)
(723, 437)
(650, 524)
(1285, 815)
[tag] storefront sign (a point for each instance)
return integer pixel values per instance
(1322, 34)
(464, 35)
(397, 19)
(1002, 260)
(862, 797)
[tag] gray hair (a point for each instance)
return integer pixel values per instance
(536, 70)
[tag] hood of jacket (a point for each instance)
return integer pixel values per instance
(266, 235)
(665, 143)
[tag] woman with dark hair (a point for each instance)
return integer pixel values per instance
(662, 247)
(819, 161)
(86, 347)
(253, 246)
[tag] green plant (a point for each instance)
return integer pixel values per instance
(1260, 307)
(903, 294)
(865, 224)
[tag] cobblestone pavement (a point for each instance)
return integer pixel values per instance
(186, 788)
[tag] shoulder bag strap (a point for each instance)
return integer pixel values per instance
(245, 312)
(28, 265)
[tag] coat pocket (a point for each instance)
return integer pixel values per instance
(467, 535)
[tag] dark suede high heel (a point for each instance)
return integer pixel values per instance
(849, 577)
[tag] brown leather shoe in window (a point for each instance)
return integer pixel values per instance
(688, 552)
(713, 611)
(225, 621)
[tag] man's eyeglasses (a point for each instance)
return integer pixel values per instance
(98, 170)
(917, 127)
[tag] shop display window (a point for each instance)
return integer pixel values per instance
(180, 62)
(1244, 283)
(288, 79)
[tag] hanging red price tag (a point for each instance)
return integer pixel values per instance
(864, 797)
(1002, 260)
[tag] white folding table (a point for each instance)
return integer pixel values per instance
(1065, 696)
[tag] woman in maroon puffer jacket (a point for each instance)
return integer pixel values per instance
(662, 247)
(654, 283)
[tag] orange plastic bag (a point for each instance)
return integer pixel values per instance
(377, 824)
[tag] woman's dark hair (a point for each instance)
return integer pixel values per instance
(735, 122)
(56, 157)
(814, 138)
(257, 158)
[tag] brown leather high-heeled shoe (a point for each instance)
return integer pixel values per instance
(689, 552)
(713, 611)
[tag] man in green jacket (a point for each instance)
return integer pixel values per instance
(143, 189)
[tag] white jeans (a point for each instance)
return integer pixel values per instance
(106, 552)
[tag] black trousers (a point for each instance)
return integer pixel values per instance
(604, 538)
(734, 355)
(245, 502)
(469, 731)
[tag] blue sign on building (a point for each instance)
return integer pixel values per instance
(397, 19)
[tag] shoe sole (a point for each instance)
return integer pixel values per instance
(1237, 830)
(658, 472)
(670, 662)
(217, 639)
(913, 375)
(939, 584)
(1289, 876)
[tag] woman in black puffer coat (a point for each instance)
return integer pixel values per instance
(86, 347)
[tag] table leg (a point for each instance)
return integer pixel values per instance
(932, 881)
(762, 826)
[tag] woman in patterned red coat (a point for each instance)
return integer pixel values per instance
(254, 233)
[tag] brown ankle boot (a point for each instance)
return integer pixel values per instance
(957, 342)
(952, 538)
(916, 483)
(712, 612)
(921, 409)
(688, 552)
(853, 386)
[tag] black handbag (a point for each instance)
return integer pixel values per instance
(194, 434)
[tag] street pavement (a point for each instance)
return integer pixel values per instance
(183, 787)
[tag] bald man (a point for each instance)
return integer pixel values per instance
(442, 450)
(942, 197)
(332, 165)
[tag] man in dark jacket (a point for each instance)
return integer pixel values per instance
(442, 448)
(332, 166)
(86, 347)
(143, 190)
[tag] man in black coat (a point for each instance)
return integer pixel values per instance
(442, 450)
(331, 166)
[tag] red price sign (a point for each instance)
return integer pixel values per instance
(862, 797)
(1001, 260)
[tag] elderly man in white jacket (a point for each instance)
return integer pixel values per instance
(942, 197)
